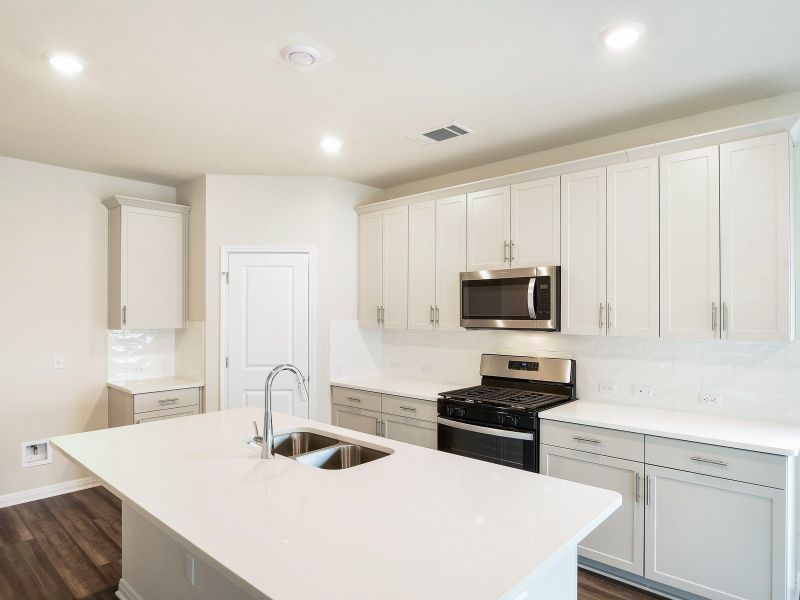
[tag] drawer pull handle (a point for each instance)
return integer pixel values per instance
(587, 440)
(411, 408)
(354, 399)
(710, 461)
(167, 400)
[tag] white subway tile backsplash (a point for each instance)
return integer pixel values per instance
(140, 354)
(760, 381)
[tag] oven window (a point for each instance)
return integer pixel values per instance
(503, 451)
(495, 298)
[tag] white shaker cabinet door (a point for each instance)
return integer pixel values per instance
(536, 223)
(717, 538)
(451, 259)
(690, 284)
(365, 421)
(395, 268)
(421, 265)
(153, 255)
(619, 540)
(583, 252)
(370, 268)
(755, 238)
(632, 255)
(488, 229)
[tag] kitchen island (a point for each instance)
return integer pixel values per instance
(205, 517)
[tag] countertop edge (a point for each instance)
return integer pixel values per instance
(185, 385)
(379, 388)
(674, 434)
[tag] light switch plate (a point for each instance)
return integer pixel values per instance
(607, 388)
(58, 361)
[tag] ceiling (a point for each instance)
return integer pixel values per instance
(177, 88)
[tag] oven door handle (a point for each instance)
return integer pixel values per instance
(532, 298)
(516, 435)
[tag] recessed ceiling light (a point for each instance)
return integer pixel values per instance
(622, 37)
(66, 64)
(301, 55)
(331, 144)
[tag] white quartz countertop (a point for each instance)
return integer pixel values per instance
(760, 436)
(398, 386)
(154, 384)
(416, 524)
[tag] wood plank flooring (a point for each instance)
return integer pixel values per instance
(69, 547)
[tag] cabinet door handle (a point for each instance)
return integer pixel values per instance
(505, 251)
(377, 427)
(378, 315)
(608, 314)
(167, 400)
(587, 440)
(602, 310)
(431, 319)
(724, 317)
(710, 461)
(647, 490)
(411, 408)
(437, 315)
(638, 479)
(713, 316)
(511, 251)
(353, 399)
(383, 315)
(124, 314)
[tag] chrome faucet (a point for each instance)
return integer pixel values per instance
(267, 442)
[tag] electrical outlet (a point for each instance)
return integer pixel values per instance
(425, 368)
(137, 371)
(58, 361)
(394, 364)
(641, 391)
(708, 399)
(190, 569)
(608, 388)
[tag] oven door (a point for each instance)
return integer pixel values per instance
(517, 449)
(511, 299)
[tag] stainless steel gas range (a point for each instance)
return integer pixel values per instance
(498, 420)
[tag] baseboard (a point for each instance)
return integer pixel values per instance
(126, 592)
(47, 491)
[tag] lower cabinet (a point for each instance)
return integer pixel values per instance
(714, 537)
(133, 409)
(357, 419)
(704, 520)
(386, 416)
(411, 431)
(619, 540)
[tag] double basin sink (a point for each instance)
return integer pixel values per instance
(324, 452)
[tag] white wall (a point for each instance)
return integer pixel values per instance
(256, 210)
(53, 243)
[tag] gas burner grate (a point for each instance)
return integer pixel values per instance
(484, 394)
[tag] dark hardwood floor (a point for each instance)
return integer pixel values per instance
(68, 547)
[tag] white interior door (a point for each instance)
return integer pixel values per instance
(267, 325)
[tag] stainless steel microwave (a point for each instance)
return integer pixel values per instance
(512, 299)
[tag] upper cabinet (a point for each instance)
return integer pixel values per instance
(632, 249)
(536, 223)
(383, 268)
(755, 239)
(583, 252)
(514, 227)
(690, 302)
(488, 227)
(437, 233)
(147, 259)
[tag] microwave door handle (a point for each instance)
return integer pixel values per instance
(532, 298)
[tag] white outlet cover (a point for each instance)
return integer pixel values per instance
(607, 388)
(58, 361)
(642, 391)
(711, 399)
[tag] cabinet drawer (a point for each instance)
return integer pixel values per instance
(357, 398)
(166, 399)
(163, 415)
(731, 463)
(409, 407)
(608, 442)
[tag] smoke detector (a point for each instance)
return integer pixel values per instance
(300, 55)
(441, 134)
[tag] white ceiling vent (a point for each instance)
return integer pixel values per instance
(441, 134)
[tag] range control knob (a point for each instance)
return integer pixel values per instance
(511, 421)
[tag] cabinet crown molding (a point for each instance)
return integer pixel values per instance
(117, 200)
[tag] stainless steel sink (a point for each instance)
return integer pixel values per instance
(342, 456)
(301, 442)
